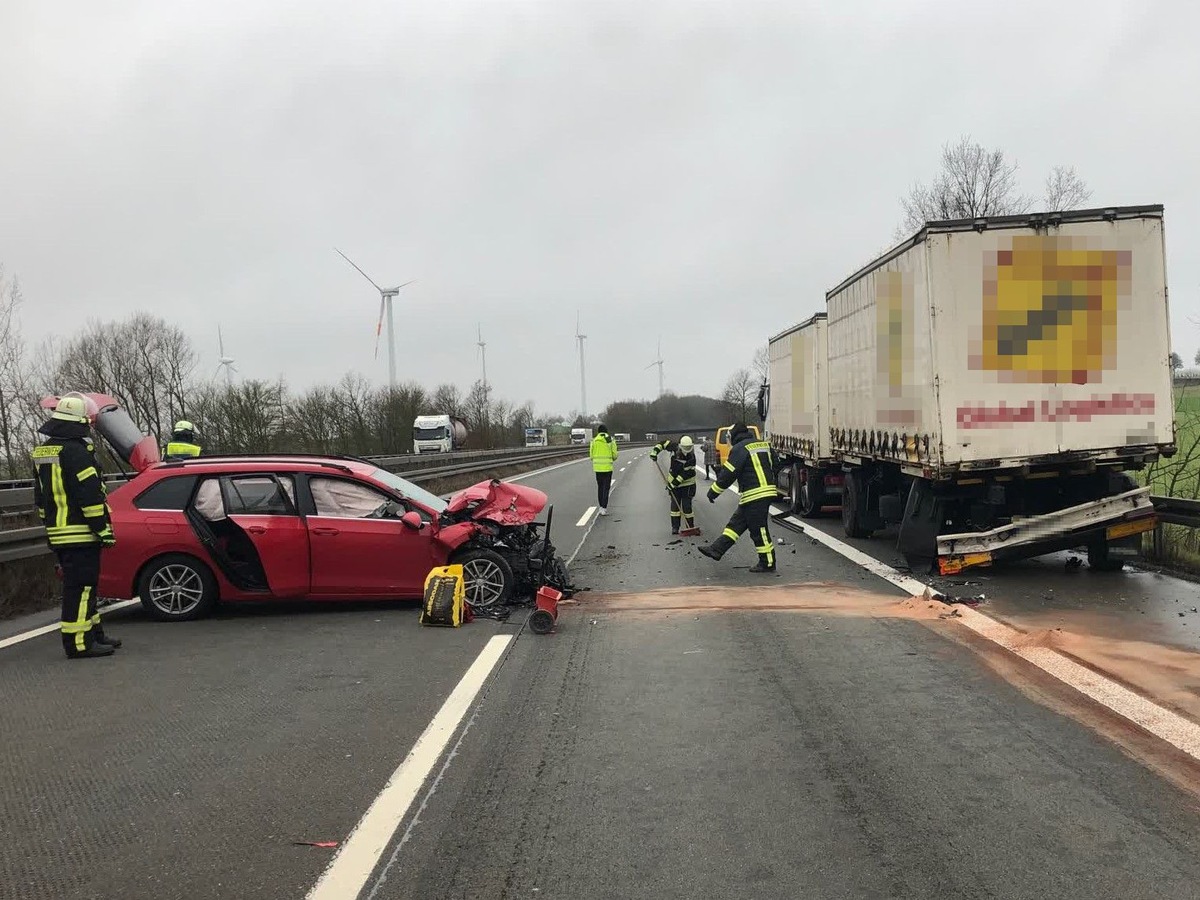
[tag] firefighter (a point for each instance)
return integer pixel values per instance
(682, 484)
(751, 465)
(183, 442)
(603, 452)
(70, 500)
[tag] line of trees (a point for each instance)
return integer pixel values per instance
(150, 367)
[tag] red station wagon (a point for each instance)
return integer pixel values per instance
(256, 528)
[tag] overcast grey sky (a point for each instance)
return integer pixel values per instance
(699, 170)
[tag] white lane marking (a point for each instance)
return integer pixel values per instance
(1162, 723)
(584, 518)
(623, 468)
(46, 629)
(349, 870)
(868, 562)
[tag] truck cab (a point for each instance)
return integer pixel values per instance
(438, 434)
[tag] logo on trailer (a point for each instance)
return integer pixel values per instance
(1050, 310)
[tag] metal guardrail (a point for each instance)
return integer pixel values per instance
(1177, 511)
(23, 543)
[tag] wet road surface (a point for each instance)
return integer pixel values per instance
(657, 744)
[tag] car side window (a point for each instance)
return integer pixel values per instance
(347, 499)
(261, 495)
(169, 493)
(723, 436)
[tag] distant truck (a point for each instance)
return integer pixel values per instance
(621, 438)
(536, 437)
(438, 434)
(651, 436)
(581, 435)
(986, 385)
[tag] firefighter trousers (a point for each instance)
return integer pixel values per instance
(681, 507)
(752, 517)
(81, 573)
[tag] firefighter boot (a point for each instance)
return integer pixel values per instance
(717, 548)
(90, 649)
(763, 567)
(101, 639)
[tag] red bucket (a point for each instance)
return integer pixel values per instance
(542, 619)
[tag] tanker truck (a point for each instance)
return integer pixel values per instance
(987, 385)
(438, 434)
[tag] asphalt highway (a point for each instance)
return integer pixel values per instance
(690, 730)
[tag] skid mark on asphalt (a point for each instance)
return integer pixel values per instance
(1163, 723)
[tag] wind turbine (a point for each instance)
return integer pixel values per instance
(580, 337)
(659, 362)
(482, 345)
(386, 296)
(226, 362)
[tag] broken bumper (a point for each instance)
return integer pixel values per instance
(1111, 519)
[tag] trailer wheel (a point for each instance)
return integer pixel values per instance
(853, 501)
(1101, 560)
(811, 491)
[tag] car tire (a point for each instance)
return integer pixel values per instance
(488, 577)
(177, 588)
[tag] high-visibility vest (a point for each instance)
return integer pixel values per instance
(181, 450)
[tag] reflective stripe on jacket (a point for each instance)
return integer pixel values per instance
(68, 493)
(603, 453)
(751, 465)
(683, 469)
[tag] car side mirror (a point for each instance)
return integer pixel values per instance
(412, 520)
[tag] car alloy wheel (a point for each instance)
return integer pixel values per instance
(485, 582)
(176, 589)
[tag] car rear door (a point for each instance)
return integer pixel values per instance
(263, 506)
(357, 551)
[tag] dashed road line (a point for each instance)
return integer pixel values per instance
(583, 520)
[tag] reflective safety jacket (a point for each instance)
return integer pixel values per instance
(603, 452)
(180, 450)
(666, 445)
(69, 494)
(683, 470)
(751, 465)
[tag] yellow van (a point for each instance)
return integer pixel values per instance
(722, 446)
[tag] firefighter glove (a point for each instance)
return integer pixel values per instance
(712, 496)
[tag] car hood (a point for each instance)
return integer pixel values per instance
(136, 449)
(499, 502)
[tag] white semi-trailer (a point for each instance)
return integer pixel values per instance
(986, 385)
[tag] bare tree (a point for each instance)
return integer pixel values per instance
(448, 400)
(1197, 359)
(739, 393)
(1065, 190)
(762, 363)
(16, 383)
(973, 182)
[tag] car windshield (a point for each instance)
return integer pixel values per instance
(430, 434)
(409, 491)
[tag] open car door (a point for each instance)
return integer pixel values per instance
(137, 449)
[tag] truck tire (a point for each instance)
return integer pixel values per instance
(1101, 560)
(853, 503)
(810, 490)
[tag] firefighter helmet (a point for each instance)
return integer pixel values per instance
(71, 408)
(184, 425)
(685, 443)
